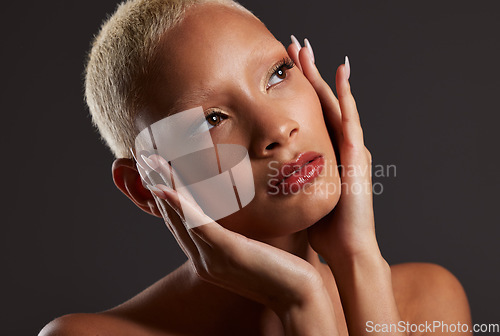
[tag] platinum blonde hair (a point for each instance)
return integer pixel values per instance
(120, 61)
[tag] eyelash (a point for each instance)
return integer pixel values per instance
(215, 113)
(286, 62)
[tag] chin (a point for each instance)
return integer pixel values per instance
(270, 218)
(328, 196)
(319, 202)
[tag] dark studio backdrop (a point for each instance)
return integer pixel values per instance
(426, 78)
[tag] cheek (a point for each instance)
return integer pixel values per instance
(307, 107)
(306, 100)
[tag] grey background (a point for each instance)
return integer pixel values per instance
(426, 78)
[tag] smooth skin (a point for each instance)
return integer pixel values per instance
(236, 285)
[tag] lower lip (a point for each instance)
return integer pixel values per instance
(307, 173)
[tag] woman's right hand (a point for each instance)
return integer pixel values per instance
(285, 283)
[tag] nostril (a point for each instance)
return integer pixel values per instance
(271, 146)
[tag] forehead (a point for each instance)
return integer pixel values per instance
(214, 49)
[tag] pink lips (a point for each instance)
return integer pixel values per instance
(292, 176)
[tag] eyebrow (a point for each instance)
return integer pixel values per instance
(200, 95)
(192, 98)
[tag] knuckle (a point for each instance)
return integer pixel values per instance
(215, 269)
(353, 147)
(176, 203)
(201, 270)
(207, 269)
(369, 155)
(350, 117)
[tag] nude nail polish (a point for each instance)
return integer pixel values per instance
(347, 67)
(151, 163)
(295, 41)
(160, 193)
(309, 47)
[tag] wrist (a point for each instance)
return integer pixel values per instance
(360, 252)
(313, 316)
(307, 293)
(361, 267)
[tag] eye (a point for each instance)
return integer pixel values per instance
(215, 118)
(277, 77)
(279, 72)
(212, 119)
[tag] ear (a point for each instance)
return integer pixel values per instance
(128, 180)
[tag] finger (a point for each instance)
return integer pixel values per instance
(161, 166)
(148, 180)
(202, 229)
(293, 51)
(169, 205)
(184, 241)
(329, 103)
(191, 214)
(144, 174)
(353, 133)
(185, 206)
(198, 225)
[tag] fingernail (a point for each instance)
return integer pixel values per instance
(160, 193)
(347, 67)
(160, 161)
(152, 164)
(164, 188)
(295, 41)
(309, 47)
(142, 173)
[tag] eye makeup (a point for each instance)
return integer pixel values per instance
(279, 70)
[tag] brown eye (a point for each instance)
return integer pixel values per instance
(215, 118)
(281, 73)
(278, 75)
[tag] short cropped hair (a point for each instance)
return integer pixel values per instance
(120, 61)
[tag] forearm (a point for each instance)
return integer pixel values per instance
(365, 287)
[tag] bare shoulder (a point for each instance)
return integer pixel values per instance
(133, 317)
(84, 324)
(429, 292)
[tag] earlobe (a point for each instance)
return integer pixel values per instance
(127, 179)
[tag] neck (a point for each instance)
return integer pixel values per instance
(297, 244)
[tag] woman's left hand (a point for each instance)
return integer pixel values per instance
(349, 228)
(346, 236)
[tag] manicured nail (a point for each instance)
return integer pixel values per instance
(309, 47)
(160, 193)
(295, 41)
(151, 163)
(163, 162)
(142, 173)
(347, 67)
(165, 188)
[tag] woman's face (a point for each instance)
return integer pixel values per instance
(229, 63)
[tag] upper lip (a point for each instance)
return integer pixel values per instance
(289, 168)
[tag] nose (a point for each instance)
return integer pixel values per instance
(273, 131)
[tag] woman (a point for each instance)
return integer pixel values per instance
(257, 271)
